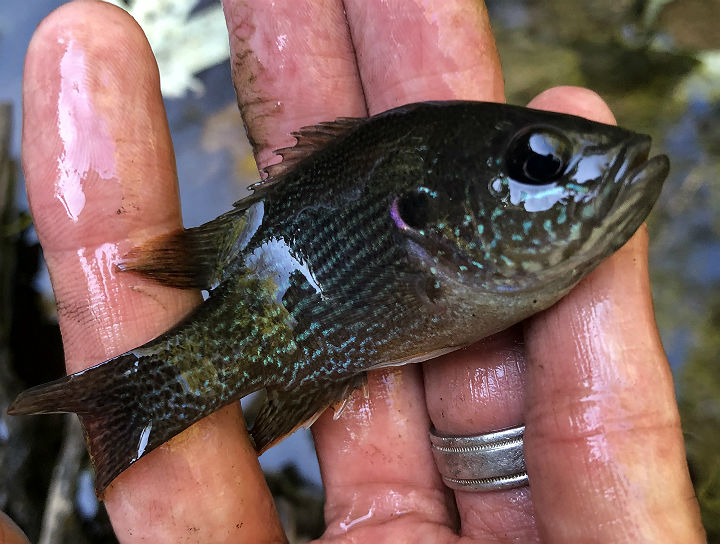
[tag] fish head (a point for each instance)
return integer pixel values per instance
(533, 204)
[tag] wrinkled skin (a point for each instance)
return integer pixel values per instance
(588, 377)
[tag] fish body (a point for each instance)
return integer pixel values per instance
(375, 242)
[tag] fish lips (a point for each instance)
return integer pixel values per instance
(639, 179)
(630, 188)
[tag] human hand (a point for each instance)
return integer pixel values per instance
(590, 380)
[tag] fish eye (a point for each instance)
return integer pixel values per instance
(414, 209)
(538, 156)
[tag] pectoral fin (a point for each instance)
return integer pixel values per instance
(196, 258)
(285, 411)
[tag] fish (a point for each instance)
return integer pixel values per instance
(375, 242)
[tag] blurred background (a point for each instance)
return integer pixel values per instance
(656, 62)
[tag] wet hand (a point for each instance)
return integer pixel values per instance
(588, 377)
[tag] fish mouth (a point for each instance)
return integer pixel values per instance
(631, 187)
(633, 156)
(639, 180)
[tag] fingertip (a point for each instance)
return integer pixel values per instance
(99, 172)
(94, 130)
(574, 101)
(80, 20)
(75, 15)
(448, 51)
(310, 40)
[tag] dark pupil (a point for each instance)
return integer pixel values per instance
(415, 208)
(538, 157)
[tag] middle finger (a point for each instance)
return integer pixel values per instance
(441, 50)
(293, 65)
(411, 51)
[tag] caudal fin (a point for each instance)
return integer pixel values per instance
(107, 399)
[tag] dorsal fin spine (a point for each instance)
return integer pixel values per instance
(310, 139)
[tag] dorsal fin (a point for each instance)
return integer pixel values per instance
(309, 140)
(315, 137)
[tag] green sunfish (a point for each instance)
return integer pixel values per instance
(375, 242)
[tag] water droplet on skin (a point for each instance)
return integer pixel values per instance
(98, 267)
(281, 41)
(86, 142)
(390, 505)
(349, 522)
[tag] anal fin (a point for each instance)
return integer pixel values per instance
(286, 411)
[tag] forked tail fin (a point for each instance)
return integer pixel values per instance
(108, 399)
(136, 401)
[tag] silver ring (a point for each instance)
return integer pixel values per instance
(484, 462)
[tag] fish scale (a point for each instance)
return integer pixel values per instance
(375, 242)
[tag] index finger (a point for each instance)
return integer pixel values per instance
(407, 52)
(100, 178)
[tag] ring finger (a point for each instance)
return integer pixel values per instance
(477, 390)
